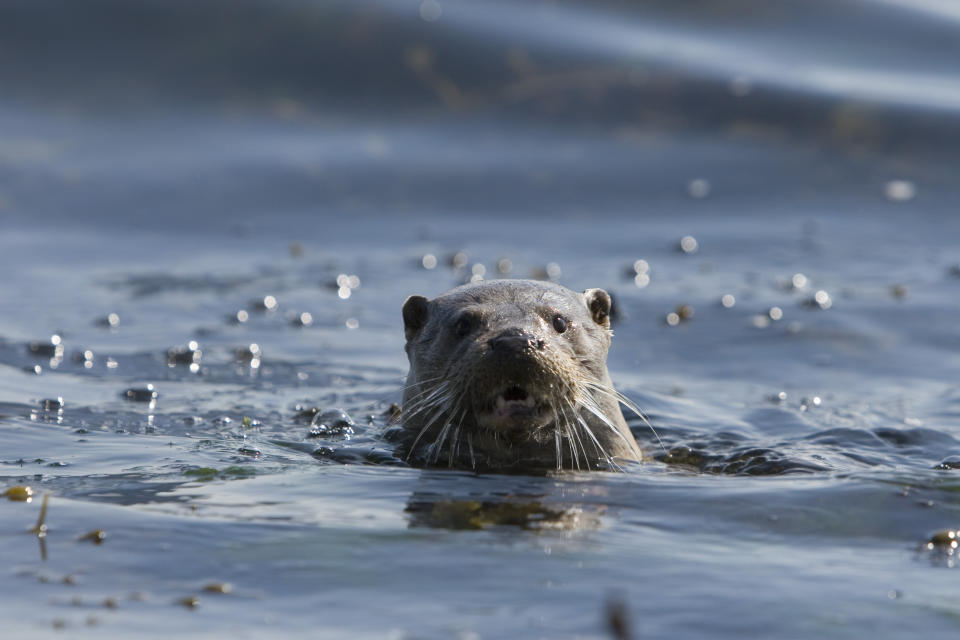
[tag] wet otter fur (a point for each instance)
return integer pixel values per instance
(511, 375)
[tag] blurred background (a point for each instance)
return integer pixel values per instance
(274, 116)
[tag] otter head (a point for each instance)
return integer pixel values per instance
(505, 365)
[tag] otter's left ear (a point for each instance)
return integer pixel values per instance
(598, 301)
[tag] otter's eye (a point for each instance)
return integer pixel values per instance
(559, 323)
(464, 325)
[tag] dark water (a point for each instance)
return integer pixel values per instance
(176, 164)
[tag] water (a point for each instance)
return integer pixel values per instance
(176, 164)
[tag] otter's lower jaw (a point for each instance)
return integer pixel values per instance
(514, 410)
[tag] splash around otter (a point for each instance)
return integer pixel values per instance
(511, 375)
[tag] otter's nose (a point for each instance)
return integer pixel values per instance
(514, 341)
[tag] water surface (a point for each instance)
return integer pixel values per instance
(211, 173)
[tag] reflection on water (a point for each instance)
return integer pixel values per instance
(428, 511)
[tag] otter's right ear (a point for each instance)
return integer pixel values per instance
(599, 303)
(414, 315)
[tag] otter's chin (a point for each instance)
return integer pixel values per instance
(515, 409)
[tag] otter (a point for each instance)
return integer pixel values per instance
(511, 376)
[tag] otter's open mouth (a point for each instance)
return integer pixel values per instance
(515, 407)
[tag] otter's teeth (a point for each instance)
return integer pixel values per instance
(501, 402)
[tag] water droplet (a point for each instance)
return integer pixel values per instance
(688, 244)
(822, 298)
(899, 190)
(698, 188)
